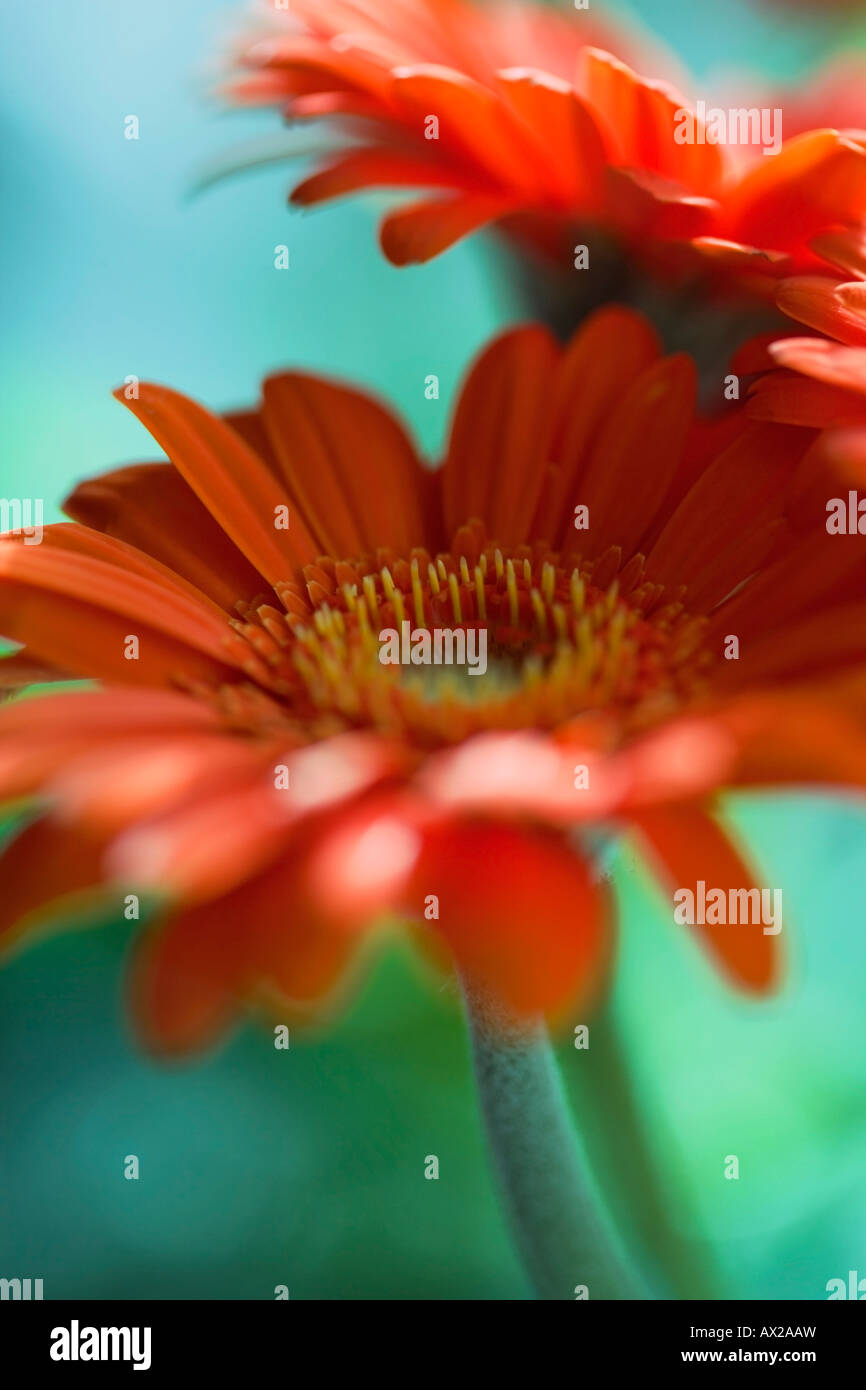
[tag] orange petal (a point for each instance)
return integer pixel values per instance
(191, 975)
(835, 463)
(106, 712)
(375, 168)
(357, 864)
(48, 870)
(845, 249)
(564, 137)
(684, 758)
(759, 266)
(524, 773)
(688, 846)
(150, 506)
(205, 848)
(348, 462)
(638, 121)
(473, 126)
(76, 612)
(753, 355)
(818, 568)
(278, 939)
(114, 784)
(816, 182)
(742, 490)
(492, 467)
(520, 912)
(842, 367)
(606, 354)
(807, 740)
(647, 206)
(186, 974)
(786, 398)
(83, 540)
(422, 231)
(208, 846)
(234, 484)
(812, 644)
(651, 426)
(837, 310)
(39, 736)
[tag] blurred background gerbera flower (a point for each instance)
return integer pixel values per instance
(524, 118)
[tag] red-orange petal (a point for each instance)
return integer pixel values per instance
(491, 469)
(349, 463)
(150, 506)
(815, 183)
(76, 612)
(422, 231)
(687, 845)
(374, 168)
(234, 484)
(837, 310)
(47, 870)
(520, 912)
(651, 426)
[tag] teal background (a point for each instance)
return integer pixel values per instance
(306, 1167)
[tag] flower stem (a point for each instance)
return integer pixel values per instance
(617, 1140)
(554, 1214)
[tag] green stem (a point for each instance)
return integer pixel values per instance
(617, 1140)
(554, 1214)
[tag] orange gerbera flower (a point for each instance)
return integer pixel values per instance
(475, 106)
(252, 769)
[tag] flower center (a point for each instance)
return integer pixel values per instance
(436, 648)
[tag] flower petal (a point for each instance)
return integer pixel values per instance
(77, 612)
(520, 912)
(491, 469)
(651, 426)
(422, 231)
(49, 870)
(235, 485)
(815, 183)
(349, 464)
(150, 506)
(687, 846)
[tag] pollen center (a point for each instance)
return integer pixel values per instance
(436, 648)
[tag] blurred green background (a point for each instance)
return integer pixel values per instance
(306, 1167)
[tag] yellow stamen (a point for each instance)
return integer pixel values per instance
(511, 585)
(480, 597)
(454, 591)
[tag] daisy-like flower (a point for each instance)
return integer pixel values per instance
(249, 767)
(543, 145)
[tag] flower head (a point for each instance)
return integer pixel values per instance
(538, 127)
(251, 768)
